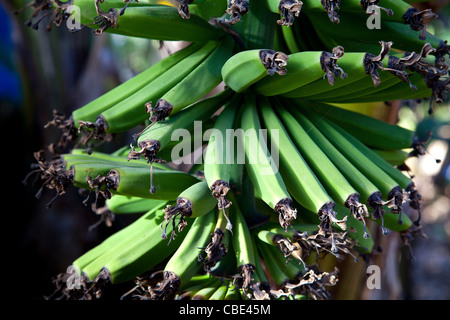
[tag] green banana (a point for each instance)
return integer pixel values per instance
(334, 182)
(243, 246)
(91, 263)
(133, 110)
(128, 205)
(350, 62)
(261, 167)
(247, 67)
(387, 185)
(160, 133)
(256, 26)
(219, 154)
(184, 262)
(396, 11)
(288, 10)
(369, 192)
(158, 22)
(393, 157)
(303, 68)
(364, 39)
(197, 84)
(301, 181)
(141, 254)
(371, 131)
(194, 201)
(91, 110)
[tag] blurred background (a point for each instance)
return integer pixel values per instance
(42, 71)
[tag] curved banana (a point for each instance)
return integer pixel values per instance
(194, 201)
(90, 111)
(261, 165)
(247, 67)
(303, 68)
(301, 181)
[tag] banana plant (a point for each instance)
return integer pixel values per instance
(279, 67)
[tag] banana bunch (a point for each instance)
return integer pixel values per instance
(246, 169)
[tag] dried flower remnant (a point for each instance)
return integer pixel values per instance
(219, 191)
(183, 8)
(314, 284)
(105, 20)
(53, 173)
(327, 217)
(148, 149)
(64, 292)
(416, 20)
(285, 212)
(372, 63)
(183, 209)
(215, 250)
(93, 130)
(274, 61)
(102, 185)
(159, 112)
(376, 203)
(289, 10)
(358, 210)
(46, 8)
(260, 291)
(245, 277)
(236, 9)
(328, 63)
(67, 127)
(414, 200)
(433, 75)
(332, 9)
(165, 289)
(284, 244)
(440, 53)
(370, 5)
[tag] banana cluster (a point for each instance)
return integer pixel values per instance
(285, 176)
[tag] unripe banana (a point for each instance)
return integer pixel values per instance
(219, 154)
(388, 186)
(334, 182)
(247, 67)
(368, 191)
(133, 110)
(184, 262)
(91, 263)
(195, 201)
(371, 131)
(141, 254)
(119, 204)
(196, 85)
(300, 180)
(90, 111)
(261, 166)
(243, 245)
(158, 22)
(303, 68)
(202, 110)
